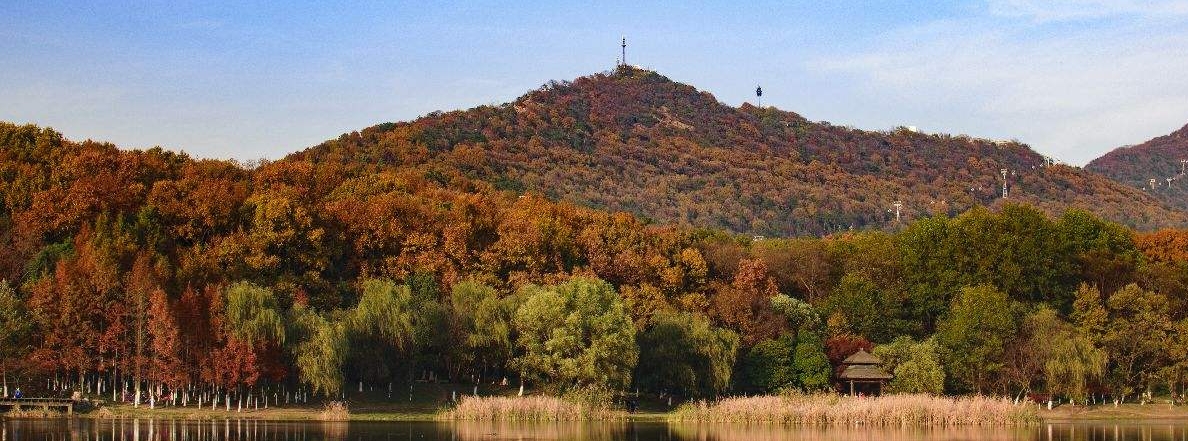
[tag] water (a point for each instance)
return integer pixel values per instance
(83, 429)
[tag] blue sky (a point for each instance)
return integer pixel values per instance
(1073, 78)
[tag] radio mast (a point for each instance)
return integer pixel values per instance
(624, 46)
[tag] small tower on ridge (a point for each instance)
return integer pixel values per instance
(623, 59)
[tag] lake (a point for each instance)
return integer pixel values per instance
(143, 429)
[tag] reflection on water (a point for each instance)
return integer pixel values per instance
(83, 429)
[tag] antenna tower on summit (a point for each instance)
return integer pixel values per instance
(624, 46)
(759, 95)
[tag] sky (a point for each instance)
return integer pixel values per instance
(1072, 78)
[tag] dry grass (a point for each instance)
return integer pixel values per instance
(335, 411)
(531, 408)
(833, 410)
(33, 413)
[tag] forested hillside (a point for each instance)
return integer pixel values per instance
(635, 141)
(148, 270)
(1159, 159)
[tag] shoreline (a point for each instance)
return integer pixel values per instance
(1059, 415)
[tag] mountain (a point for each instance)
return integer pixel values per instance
(636, 141)
(1158, 159)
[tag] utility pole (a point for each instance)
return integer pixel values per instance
(1169, 181)
(1152, 182)
(1004, 182)
(1183, 162)
(898, 205)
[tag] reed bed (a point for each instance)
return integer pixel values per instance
(531, 408)
(335, 411)
(834, 410)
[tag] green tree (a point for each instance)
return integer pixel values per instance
(253, 315)
(800, 314)
(915, 366)
(321, 350)
(1103, 252)
(972, 336)
(867, 312)
(382, 331)
(1073, 362)
(575, 335)
(810, 363)
(15, 328)
(483, 324)
(768, 365)
(1134, 334)
(385, 312)
(686, 355)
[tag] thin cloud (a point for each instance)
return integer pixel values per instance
(1072, 95)
(1044, 11)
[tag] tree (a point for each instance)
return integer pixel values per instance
(973, 334)
(1134, 334)
(384, 311)
(253, 315)
(165, 363)
(1073, 363)
(483, 324)
(321, 352)
(768, 365)
(575, 335)
(686, 356)
(15, 329)
(864, 307)
(915, 366)
(799, 314)
(383, 330)
(1025, 356)
(745, 305)
(810, 363)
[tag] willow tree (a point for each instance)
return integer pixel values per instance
(575, 335)
(686, 355)
(321, 351)
(482, 323)
(1073, 361)
(384, 311)
(253, 314)
(253, 321)
(15, 326)
(382, 322)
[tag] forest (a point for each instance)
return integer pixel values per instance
(129, 271)
(1160, 158)
(633, 140)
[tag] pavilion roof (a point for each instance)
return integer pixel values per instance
(862, 357)
(864, 372)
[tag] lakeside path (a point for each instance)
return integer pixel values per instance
(1109, 412)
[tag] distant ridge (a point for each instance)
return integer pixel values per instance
(1159, 159)
(634, 140)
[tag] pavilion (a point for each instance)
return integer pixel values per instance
(862, 372)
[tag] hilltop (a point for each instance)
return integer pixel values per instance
(634, 140)
(1158, 159)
